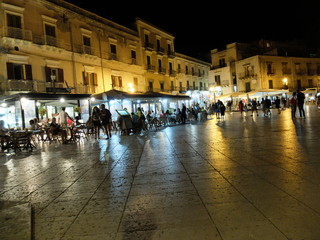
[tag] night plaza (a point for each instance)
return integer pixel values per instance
(241, 178)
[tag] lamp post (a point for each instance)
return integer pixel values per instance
(53, 79)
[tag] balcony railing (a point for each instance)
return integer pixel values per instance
(151, 68)
(18, 33)
(162, 70)
(247, 75)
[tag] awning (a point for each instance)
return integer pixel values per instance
(116, 95)
(44, 96)
(267, 92)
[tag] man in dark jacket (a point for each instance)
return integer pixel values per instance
(300, 100)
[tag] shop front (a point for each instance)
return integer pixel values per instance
(18, 109)
(156, 102)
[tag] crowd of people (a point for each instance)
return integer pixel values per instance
(295, 102)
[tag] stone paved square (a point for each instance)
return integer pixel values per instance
(238, 179)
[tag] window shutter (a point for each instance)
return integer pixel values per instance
(95, 79)
(60, 75)
(48, 74)
(113, 80)
(10, 70)
(28, 72)
(120, 81)
(85, 78)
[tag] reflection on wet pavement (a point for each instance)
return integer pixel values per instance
(241, 178)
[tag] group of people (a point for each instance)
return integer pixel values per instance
(297, 101)
(100, 117)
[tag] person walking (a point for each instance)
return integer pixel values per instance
(277, 102)
(106, 120)
(293, 105)
(222, 110)
(254, 106)
(300, 103)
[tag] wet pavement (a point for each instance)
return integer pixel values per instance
(241, 178)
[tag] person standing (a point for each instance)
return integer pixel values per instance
(240, 105)
(96, 121)
(300, 102)
(183, 114)
(293, 105)
(106, 121)
(63, 117)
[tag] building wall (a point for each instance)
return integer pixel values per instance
(94, 54)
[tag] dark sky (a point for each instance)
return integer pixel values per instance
(199, 27)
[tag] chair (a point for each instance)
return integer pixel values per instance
(22, 141)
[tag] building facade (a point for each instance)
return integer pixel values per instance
(53, 46)
(265, 67)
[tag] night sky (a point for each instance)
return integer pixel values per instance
(199, 27)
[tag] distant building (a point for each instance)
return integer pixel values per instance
(262, 68)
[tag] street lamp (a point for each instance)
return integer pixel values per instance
(285, 83)
(53, 79)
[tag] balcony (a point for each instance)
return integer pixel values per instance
(162, 70)
(18, 33)
(171, 54)
(20, 85)
(160, 50)
(149, 46)
(172, 73)
(286, 71)
(247, 75)
(151, 68)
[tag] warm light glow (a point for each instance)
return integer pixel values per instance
(211, 89)
(61, 99)
(92, 99)
(285, 81)
(131, 88)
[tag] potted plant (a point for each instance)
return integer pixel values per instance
(77, 109)
(42, 111)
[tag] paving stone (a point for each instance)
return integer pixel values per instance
(239, 179)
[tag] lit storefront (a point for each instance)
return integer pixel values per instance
(16, 110)
(156, 102)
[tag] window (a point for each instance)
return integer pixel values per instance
(57, 72)
(134, 57)
(50, 32)
(248, 87)
(116, 81)
(135, 81)
(19, 71)
(222, 62)
(86, 44)
(269, 68)
(299, 84)
(14, 26)
(162, 86)
(310, 83)
(217, 80)
(113, 51)
(90, 78)
(270, 84)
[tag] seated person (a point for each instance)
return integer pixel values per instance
(56, 130)
(4, 137)
(33, 125)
